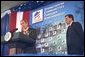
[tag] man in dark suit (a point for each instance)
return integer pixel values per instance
(75, 36)
(28, 35)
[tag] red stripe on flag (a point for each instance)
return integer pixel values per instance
(12, 21)
(26, 16)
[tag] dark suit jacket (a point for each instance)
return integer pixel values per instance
(75, 39)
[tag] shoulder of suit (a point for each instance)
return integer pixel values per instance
(76, 23)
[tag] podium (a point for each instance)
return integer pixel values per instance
(20, 43)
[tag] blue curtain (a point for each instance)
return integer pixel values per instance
(4, 29)
(4, 24)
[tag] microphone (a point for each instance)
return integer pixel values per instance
(16, 29)
(12, 31)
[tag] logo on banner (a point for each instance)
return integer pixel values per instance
(37, 16)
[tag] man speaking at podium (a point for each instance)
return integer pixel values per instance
(26, 34)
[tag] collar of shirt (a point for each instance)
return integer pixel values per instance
(70, 23)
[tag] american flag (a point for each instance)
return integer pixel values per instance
(11, 18)
(15, 18)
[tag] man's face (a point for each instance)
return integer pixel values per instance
(24, 24)
(68, 20)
